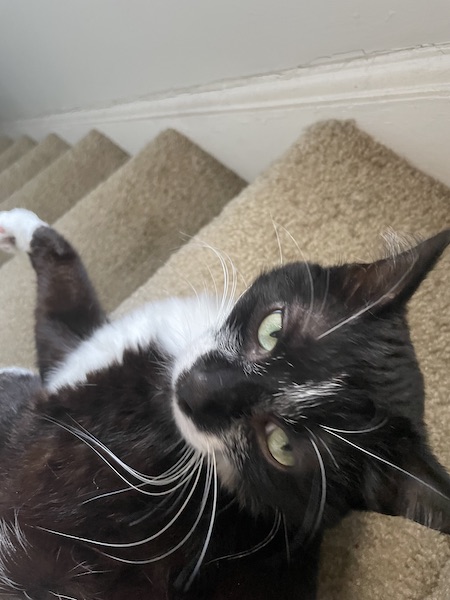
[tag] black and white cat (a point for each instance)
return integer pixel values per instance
(194, 449)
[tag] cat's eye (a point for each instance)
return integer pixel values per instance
(279, 446)
(269, 330)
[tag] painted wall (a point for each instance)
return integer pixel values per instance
(58, 55)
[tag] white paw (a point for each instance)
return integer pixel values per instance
(16, 229)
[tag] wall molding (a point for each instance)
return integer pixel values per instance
(376, 90)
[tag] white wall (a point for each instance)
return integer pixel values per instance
(63, 54)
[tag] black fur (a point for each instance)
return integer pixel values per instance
(52, 469)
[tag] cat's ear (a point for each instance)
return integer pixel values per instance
(391, 280)
(417, 488)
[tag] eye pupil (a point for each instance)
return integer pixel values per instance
(270, 329)
(279, 446)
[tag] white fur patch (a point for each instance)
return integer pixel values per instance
(174, 324)
(312, 390)
(16, 371)
(17, 227)
(206, 443)
(201, 441)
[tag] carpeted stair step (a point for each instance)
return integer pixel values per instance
(124, 229)
(79, 170)
(334, 192)
(5, 142)
(58, 187)
(15, 151)
(34, 161)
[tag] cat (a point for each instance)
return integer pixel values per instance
(195, 449)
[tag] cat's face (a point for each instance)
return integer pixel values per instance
(304, 389)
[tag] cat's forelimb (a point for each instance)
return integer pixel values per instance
(17, 227)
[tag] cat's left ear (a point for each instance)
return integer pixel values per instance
(392, 280)
(417, 488)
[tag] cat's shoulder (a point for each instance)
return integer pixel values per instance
(170, 324)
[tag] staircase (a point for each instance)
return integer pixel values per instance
(146, 227)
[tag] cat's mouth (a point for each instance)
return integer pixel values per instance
(203, 442)
(206, 444)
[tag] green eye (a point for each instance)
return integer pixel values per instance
(269, 329)
(279, 446)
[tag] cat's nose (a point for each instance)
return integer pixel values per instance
(210, 394)
(194, 389)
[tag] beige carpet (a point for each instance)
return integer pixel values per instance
(56, 189)
(68, 179)
(335, 191)
(5, 142)
(24, 169)
(125, 229)
(15, 151)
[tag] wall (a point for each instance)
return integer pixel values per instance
(58, 55)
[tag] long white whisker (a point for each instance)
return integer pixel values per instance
(139, 542)
(386, 462)
(158, 480)
(278, 242)
(229, 281)
(183, 541)
(310, 277)
(368, 307)
(325, 296)
(211, 524)
(286, 541)
(356, 431)
(323, 493)
(272, 533)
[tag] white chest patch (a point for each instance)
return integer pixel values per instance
(174, 324)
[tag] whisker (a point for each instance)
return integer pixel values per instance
(272, 533)
(211, 524)
(229, 279)
(369, 306)
(91, 441)
(140, 542)
(386, 462)
(278, 241)
(356, 431)
(323, 492)
(310, 277)
(325, 296)
(327, 448)
(183, 541)
(286, 541)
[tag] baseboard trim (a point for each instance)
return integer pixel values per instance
(379, 91)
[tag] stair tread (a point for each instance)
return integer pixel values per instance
(53, 191)
(5, 143)
(15, 151)
(30, 164)
(124, 229)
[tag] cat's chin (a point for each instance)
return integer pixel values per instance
(206, 444)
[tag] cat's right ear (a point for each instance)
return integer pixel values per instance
(416, 487)
(389, 281)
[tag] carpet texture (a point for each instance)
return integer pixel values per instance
(5, 142)
(16, 151)
(335, 191)
(124, 229)
(24, 169)
(68, 179)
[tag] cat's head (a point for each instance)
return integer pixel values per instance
(310, 396)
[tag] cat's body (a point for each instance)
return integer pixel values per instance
(199, 450)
